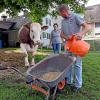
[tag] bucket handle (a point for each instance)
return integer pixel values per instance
(74, 38)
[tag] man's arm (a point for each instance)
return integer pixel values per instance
(85, 29)
(63, 36)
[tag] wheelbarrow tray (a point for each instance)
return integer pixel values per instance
(54, 63)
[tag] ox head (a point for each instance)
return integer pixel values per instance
(35, 32)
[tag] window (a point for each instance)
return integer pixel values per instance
(46, 21)
(97, 25)
(49, 22)
(97, 33)
(48, 36)
(44, 35)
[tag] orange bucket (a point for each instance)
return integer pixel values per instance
(78, 47)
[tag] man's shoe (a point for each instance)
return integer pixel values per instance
(60, 91)
(68, 88)
(75, 89)
(69, 85)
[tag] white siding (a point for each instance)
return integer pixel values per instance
(47, 20)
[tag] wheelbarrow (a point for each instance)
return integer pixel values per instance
(47, 74)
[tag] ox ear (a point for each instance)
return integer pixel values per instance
(44, 27)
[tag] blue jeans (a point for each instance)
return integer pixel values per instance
(56, 47)
(74, 75)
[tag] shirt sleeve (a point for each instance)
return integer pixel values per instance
(79, 19)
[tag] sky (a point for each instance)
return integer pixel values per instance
(92, 2)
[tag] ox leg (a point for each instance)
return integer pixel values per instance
(23, 47)
(32, 61)
(26, 60)
(34, 50)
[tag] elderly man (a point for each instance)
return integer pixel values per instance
(73, 24)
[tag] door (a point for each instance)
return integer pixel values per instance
(5, 39)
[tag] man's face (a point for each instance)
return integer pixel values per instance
(64, 13)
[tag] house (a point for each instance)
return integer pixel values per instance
(11, 39)
(6, 27)
(58, 20)
(9, 28)
(12, 36)
(92, 16)
(47, 20)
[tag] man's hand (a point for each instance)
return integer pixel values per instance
(85, 28)
(63, 36)
(79, 35)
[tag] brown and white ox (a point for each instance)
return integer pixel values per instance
(29, 37)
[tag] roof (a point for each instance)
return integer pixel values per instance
(20, 20)
(92, 14)
(6, 25)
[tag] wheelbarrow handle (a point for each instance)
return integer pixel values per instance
(13, 67)
(3, 67)
(18, 71)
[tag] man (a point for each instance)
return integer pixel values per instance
(73, 24)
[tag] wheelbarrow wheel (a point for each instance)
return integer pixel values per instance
(61, 85)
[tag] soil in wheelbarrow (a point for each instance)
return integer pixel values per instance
(50, 76)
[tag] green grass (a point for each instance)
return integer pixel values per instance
(11, 90)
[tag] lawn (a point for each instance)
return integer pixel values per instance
(13, 87)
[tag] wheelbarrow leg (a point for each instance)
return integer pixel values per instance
(55, 90)
(48, 96)
(30, 90)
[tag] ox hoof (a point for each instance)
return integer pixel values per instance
(32, 65)
(27, 66)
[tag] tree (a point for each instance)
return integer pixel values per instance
(38, 8)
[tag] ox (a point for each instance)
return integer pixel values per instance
(29, 37)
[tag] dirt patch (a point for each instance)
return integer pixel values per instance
(19, 81)
(9, 59)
